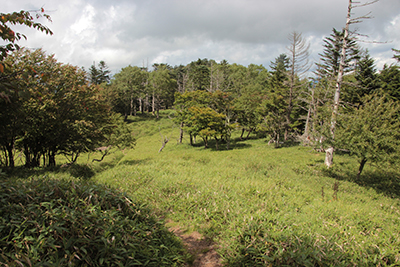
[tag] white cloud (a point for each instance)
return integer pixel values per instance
(179, 31)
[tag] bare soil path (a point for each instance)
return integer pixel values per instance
(203, 250)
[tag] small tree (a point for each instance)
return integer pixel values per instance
(207, 123)
(371, 132)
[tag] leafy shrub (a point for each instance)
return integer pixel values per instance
(51, 222)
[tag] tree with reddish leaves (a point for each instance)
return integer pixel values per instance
(21, 18)
(11, 38)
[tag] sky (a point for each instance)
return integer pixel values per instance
(143, 32)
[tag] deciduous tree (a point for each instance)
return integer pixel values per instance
(371, 132)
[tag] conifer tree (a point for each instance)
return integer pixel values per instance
(330, 58)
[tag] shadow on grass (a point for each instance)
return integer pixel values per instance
(382, 181)
(133, 162)
(75, 170)
(222, 146)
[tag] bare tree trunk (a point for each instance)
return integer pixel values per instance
(299, 65)
(164, 142)
(329, 151)
(329, 157)
(277, 141)
(131, 106)
(153, 109)
(141, 105)
(307, 126)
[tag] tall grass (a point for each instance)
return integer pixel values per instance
(265, 205)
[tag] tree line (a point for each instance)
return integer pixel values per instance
(292, 100)
(53, 110)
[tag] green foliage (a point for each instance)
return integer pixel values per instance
(371, 132)
(99, 75)
(64, 223)
(206, 123)
(59, 113)
(389, 81)
(127, 87)
(330, 58)
(206, 114)
(246, 107)
(162, 86)
(274, 106)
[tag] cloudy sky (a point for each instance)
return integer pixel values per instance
(141, 32)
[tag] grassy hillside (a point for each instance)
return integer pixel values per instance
(263, 204)
(260, 204)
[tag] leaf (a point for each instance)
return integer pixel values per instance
(1, 68)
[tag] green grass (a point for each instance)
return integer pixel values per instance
(260, 204)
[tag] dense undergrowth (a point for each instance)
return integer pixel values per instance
(263, 206)
(47, 222)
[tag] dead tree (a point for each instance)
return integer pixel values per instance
(352, 4)
(164, 142)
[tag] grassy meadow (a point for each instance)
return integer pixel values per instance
(262, 206)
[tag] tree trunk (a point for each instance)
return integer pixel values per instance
(52, 158)
(216, 142)
(141, 105)
(248, 134)
(328, 157)
(205, 142)
(289, 111)
(10, 154)
(241, 136)
(153, 109)
(307, 126)
(131, 106)
(164, 142)
(277, 141)
(181, 133)
(360, 169)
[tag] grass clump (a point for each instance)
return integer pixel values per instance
(51, 222)
(270, 242)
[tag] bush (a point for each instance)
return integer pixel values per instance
(58, 223)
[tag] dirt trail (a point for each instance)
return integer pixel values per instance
(203, 250)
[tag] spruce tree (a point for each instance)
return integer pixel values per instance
(330, 58)
(389, 81)
(365, 81)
